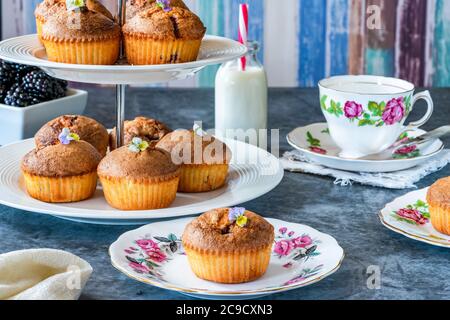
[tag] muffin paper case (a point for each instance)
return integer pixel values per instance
(145, 194)
(105, 52)
(61, 189)
(142, 50)
(202, 178)
(237, 267)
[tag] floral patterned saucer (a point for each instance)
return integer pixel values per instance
(315, 142)
(409, 216)
(154, 255)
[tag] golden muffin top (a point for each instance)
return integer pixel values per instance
(48, 8)
(150, 130)
(159, 24)
(148, 163)
(439, 193)
(60, 160)
(136, 6)
(80, 25)
(221, 231)
(88, 130)
(187, 147)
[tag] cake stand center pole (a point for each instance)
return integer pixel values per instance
(120, 88)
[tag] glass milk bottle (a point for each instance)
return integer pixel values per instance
(241, 99)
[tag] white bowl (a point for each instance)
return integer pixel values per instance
(22, 123)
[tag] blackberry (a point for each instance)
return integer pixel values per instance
(21, 70)
(22, 85)
(17, 96)
(39, 83)
(7, 76)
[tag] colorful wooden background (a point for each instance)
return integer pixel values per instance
(304, 41)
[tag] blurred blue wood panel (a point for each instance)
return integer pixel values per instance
(380, 50)
(312, 42)
(380, 62)
(212, 14)
(442, 44)
(338, 37)
(412, 17)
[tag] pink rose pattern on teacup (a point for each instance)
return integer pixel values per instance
(376, 114)
(394, 112)
(353, 110)
(417, 213)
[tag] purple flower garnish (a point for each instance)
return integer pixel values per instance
(164, 4)
(65, 137)
(237, 215)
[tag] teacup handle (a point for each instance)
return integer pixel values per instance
(422, 96)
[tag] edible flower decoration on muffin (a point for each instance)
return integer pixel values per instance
(238, 215)
(138, 145)
(65, 137)
(73, 5)
(164, 4)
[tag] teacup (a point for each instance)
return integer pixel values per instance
(366, 114)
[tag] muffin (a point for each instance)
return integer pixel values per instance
(136, 6)
(229, 245)
(137, 177)
(157, 36)
(48, 8)
(86, 128)
(81, 37)
(149, 130)
(438, 199)
(61, 173)
(204, 160)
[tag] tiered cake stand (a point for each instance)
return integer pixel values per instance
(247, 180)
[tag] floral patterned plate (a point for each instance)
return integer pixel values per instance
(409, 216)
(154, 255)
(315, 142)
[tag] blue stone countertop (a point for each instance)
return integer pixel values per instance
(409, 269)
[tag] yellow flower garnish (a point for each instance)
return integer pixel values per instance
(241, 221)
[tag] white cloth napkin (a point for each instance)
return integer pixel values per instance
(295, 161)
(42, 274)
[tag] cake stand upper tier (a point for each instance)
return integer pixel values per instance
(28, 50)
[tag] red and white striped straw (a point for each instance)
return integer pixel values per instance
(243, 30)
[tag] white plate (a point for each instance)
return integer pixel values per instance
(28, 50)
(324, 151)
(253, 173)
(321, 257)
(421, 232)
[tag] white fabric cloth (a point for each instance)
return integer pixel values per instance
(42, 274)
(295, 161)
